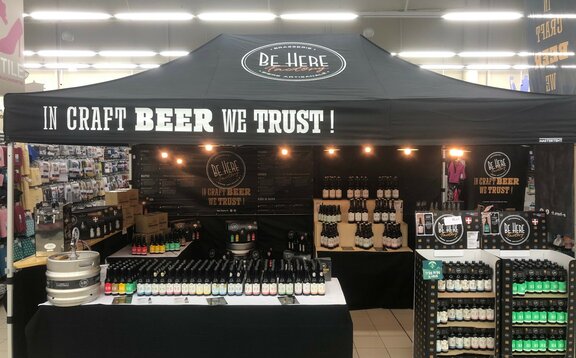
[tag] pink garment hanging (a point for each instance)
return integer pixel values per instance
(456, 171)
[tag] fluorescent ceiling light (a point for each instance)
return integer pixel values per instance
(393, 54)
(424, 54)
(127, 53)
(236, 16)
(320, 16)
(482, 16)
(174, 53)
(486, 54)
(488, 67)
(32, 65)
(526, 67)
(69, 15)
(114, 65)
(442, 67)
(149, 65)
(66, 53)
(29, 53)
(154, 16)
(552, 16)
(66, 66)
(568, 66)
(527, 54)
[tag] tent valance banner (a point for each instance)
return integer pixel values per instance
(298, 89)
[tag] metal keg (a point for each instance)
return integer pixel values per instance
(73, 281)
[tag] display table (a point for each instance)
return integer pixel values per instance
(247, 327)
(126, 253)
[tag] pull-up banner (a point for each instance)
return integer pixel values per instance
(551, 39)
(12, 73)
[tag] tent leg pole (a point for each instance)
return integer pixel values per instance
(444, 178)
(130, 166)
(10, 253)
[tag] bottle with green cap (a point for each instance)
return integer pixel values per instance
(526, 343)
(562, 315)
(528, 312)
(552, 315)
(516, 342)
(561, 342)
(530, 283)
(542, 313)
(562, 281)
(538, 283)
(553, 281)
(514, 312)
(546, 283)
(552, 341)
(542, 342)
(520, 314)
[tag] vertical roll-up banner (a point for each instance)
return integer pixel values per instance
(12, 73)
(550, 40)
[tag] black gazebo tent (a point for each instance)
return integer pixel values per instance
(297, 89)
(342, 89)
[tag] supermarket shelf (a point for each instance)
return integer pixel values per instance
(538, 354)
(355, 249)
(455, 352)
(539, 325)
(543, 295)
(466, 294)
(473, 324)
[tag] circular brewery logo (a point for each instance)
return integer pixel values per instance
(514, 230)
(225, 170)
(497, 165)
(447, 234)
(293, 61)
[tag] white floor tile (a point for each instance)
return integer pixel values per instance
(400, 341)
(368, 342)
(373, 353)
(400, 352)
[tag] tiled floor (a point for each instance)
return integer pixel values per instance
(378, 333)
(382, 333)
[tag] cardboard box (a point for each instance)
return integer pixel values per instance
(138, 209)
(117, 197)
(134, 194)
(146, 223)
(35, 178)
(127, 216)
(162, 219)
(134, 202)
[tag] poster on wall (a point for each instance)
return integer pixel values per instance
(516, 230)
(12, 73)
(187, 180)
(548, 38)
(443, 230)
(496, 176)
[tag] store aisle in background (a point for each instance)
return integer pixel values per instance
(383, 333)
(378, 333)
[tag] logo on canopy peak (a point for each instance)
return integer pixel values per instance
(293, 62)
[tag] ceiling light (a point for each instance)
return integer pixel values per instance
(174, 53)
(149, 65)
(331, 150)
(407, 150)
(28, 53)
(284, 151)
(367, 149)
(66, 53)
(527, 54)
(179, 161)
(424, 54)
(442, 67)
(482, 16)
(66, 66)
(568, 66)
(320, 16)
(455, 152)
(164, 155)
(488, 67)
(236, 16)
(526, 67)
(154, 16)
(107, 66)
(552, 16)
(33, 65)
(127, 53)
(208, 147)
(486, 54)
(69, 15)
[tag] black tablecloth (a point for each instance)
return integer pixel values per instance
(374, 279)
(190, 331)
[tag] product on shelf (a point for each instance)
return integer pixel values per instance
(539, 311)
(329, 236)
(388, 187)
(460, 338)
(466, 277)
(384, 211)
(364, 236)
(332, 188)
(541, 340)
(357, 187)
(392, 236)
(465, 309)
(358, 211)
(537, 277)
(299, 242)
(215, 278)
(329, 213)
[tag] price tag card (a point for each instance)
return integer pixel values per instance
(453, 220)
(472, 240)
(122, 300)
(347, 248)
(216, 301)
(288, 300)
(432, 270)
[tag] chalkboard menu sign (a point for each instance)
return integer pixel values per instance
(188, 180)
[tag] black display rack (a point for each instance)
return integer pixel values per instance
(569, 263)
(426, 299)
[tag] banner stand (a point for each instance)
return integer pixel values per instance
(10, 252)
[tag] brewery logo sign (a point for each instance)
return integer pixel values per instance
(293, 62)
(514, 230)
(497, 165)
(448, 234)
(226, 170)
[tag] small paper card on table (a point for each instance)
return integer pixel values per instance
(216, 301)
(288, 300)
(122, 300)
